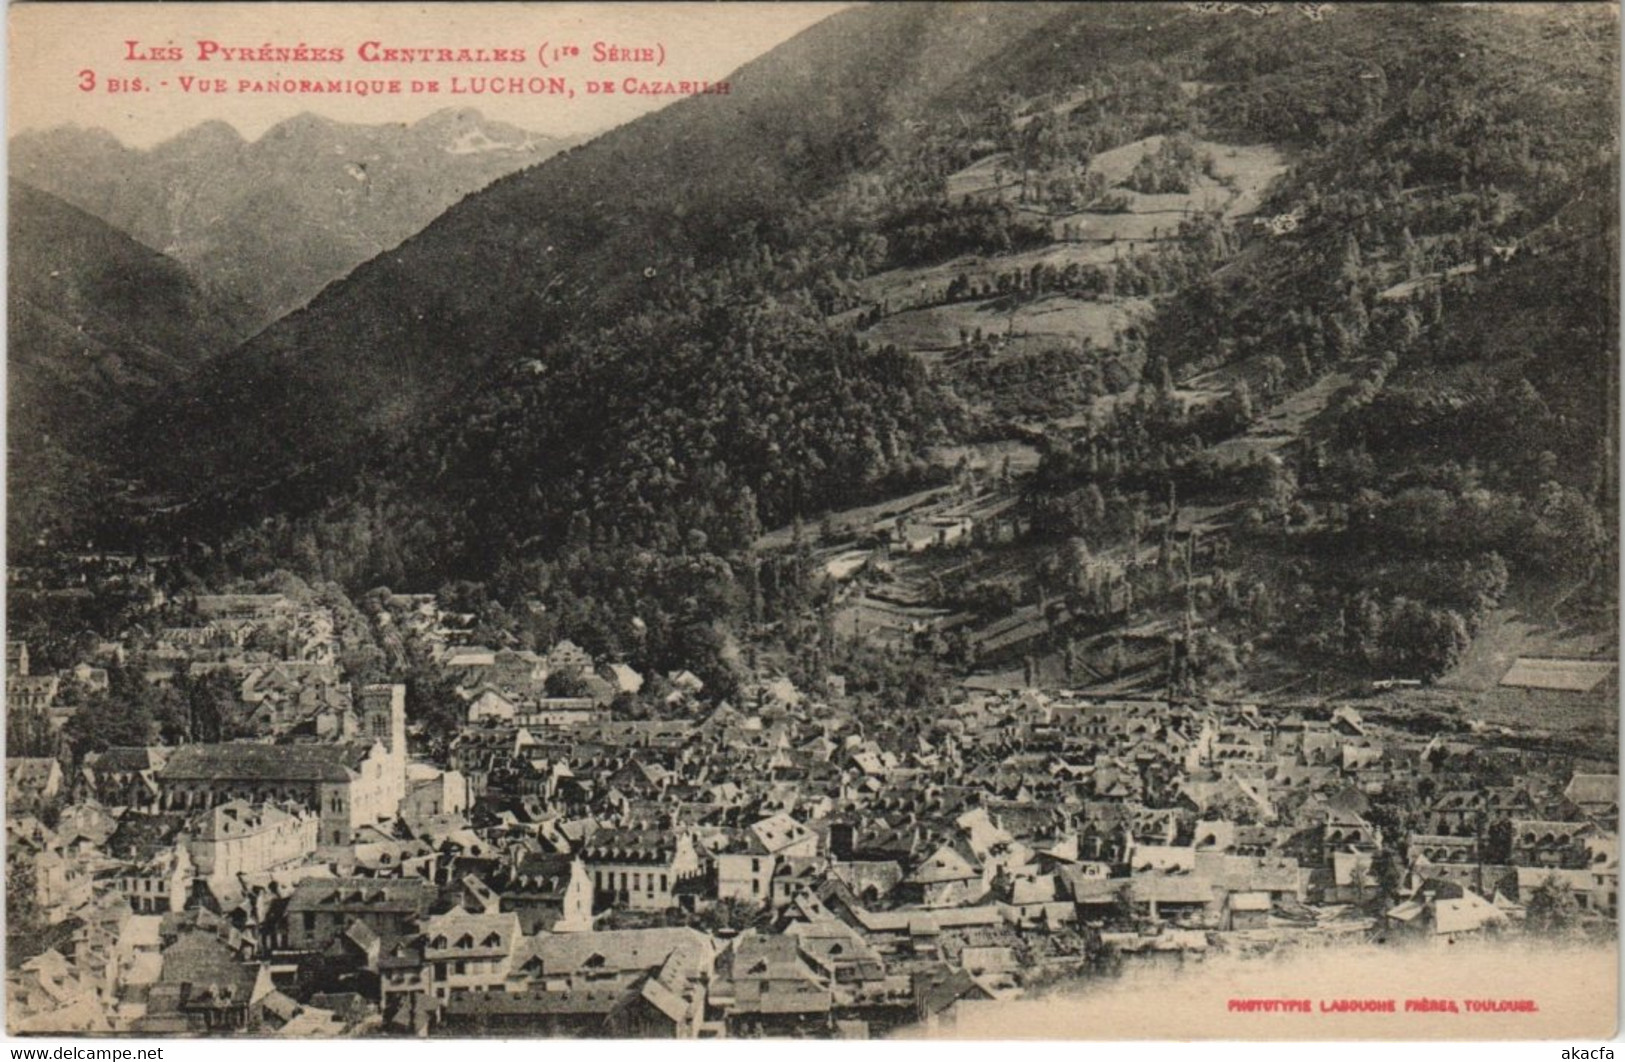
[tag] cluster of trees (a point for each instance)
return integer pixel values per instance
(27, 931)
(1182, 256)
(935, 230)
(1102, 518)
(1172, 167)
(1037, 384)
(1154, 440)
(1467, 452)
(1552, 908)
(1411, 159)
(986, 599)
(1560, 534)
(1404, 637)
(134, 711)
(1065, 127)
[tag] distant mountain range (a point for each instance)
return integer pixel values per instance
(270, 222)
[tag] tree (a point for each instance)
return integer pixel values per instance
(1273, 371)
(128, 712)
(1239, 406)
(1092, 506)
(25, 922)
(1363, 624)
(1211, 657)
(732, 914)
(211, 707)
(432, 703)
(1568, 535)
(1390, 875)
(567, 684)
(1552, 908)
(1423, 642)
(1122, 911)
(28, 733)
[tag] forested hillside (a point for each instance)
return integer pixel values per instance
(1295, 334)
(96, 324)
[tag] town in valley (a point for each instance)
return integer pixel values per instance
(977, 506)
(594, 851)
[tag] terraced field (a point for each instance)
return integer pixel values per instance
(1053, 319)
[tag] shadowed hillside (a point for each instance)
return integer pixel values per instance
(97, 324)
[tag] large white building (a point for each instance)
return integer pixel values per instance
(242, 838)
(348, 785)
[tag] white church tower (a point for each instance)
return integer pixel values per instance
(383, 720)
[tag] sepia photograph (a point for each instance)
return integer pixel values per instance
(826, 521)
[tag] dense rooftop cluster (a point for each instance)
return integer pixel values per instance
(781, 862)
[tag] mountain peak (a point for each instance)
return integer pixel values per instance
(210, 134)
(304, 124)
(450, 118)
(87, 138)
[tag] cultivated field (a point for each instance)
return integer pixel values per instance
(1054, 318)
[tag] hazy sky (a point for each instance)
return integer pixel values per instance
(51, 46)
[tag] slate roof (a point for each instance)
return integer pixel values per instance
(28, 773)
(589, 999)
(779, 831)
(403, 895)
(127, 759)
(244, 761)
(618, 950)
(237, 818)
(457, 931)
(206, 971)
(631, 846)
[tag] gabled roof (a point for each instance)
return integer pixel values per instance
(945, 864)
(1470, 912)
(1249, 901)
(207, 971)
(631, 846)
(663, 999)
(1593, 789)
(361, 935)
(618, 950)
(778, 832)
(237, 818)
(1171, 888)
(546, 872)
(937, 989)
(30, 773)
(457, 929)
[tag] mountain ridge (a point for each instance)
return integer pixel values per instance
(272, 220)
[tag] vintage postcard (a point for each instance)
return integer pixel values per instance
(820, 520)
